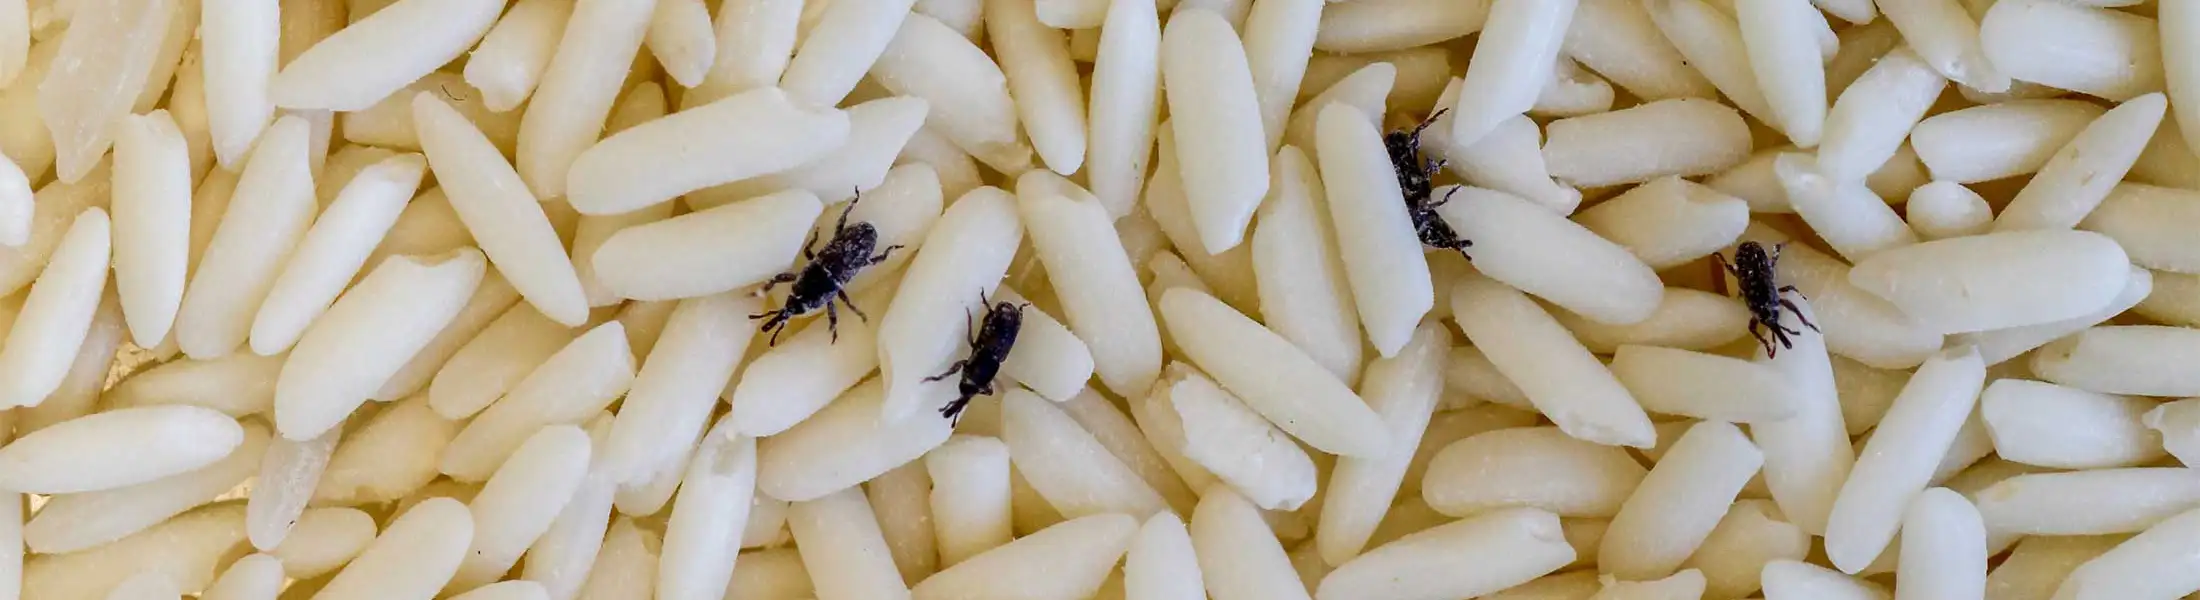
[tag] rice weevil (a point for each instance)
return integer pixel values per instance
(1414, 172)
(826, 277)
(1753, 268)
(990, 342)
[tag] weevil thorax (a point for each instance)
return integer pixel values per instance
(1412, 169)
(849, 251)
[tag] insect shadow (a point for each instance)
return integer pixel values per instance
(990, 341)
(1414, 171)
(1753, 268)
(826, 278)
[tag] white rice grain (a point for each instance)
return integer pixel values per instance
(2105, 53)
(1997, 281)
(1668, 221)
(1160, 564)
(101, 68)
(1042, 81)
(747, 135)
(2090, 502)
(1534, 467)
(1646, 142)
(334, 251)
(1064, 562)
(1069, 468)
(970, 497)
(1873, 115)
(2157, 563)
(846, 40)
(964, 257)
(1508, 72)
(246, 253)
(2053, 426)
(1382, 257)
(1894, 467)
(1224, 437)
(582, 81)
(1271, 376)
(1679, 502)
(413, 558)
(367, 61)
(2080, 175)
(1752, 534)
(1215, 110)
(1556, 373)
(1094, 279)
(254, 577)
(967, 89)
(1783, 54)
(509, 61)
(676, 388)
(846, 444)
(1306, 297)
(495, 360)
(1705, 386)
(1539, 252)
(518, 503)
(1711, 41)
(1509, 547)
(367, 336)
(841, 546)
(2133, 359)
(567, 389)
(504, 218)
(1807, 456)
(1124, 104)
(74, 522)
(703, 535)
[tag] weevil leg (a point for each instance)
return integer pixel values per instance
(1755, 331)
(832, 320)
(1782, 335)
(785, 277)
(777, 325)
(842, 224)
(1726, 266)
(889, 251)
(843, 294)
(970, 327)
(1440, 202)
(1790, 304)
(1789, 289)
(951, 371)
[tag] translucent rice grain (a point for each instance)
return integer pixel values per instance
(1506, 74)
(491, 299)
(1382, 256)
(1554, 371)
(1685, 584)
(1619, 41)
(703, 535)
(1712, 42)
(1063, 562)
(1751, 535)
(256, 237)
(747, 135)
(1121, 436)
(845, 444)
(322, 541)
(371, 59)
(1519, 244)
(1224, 169)
(583, 79)
(1230, 273)
(1075, 474)
(334, 251)
(569, 388)
(1374, 26)
(1043, 82)
(390, 123)
(2053, 426)
(965, 254)
(2080, 175)
(288, 473)
(519, 501)
(2155, 564)
(1870, 119)
(503, 216)
(1704, 386)
(680, 37)
(367, 336)
(1669, 221)
(967, 89)
(510, 60)
(2000, 278)
(1305, 295)
(627, 566)
(1782, 55)
(843, 44)
(970, 496)
(186, 550)
(1125, 85)
(1271, 376)
(1217, 431)
(1646, 142)
(2092, 502)
(101, 68)
(1509, 159)
(74, 522)
(2145, 221)
(254, 577)
(1571, 92)
(1894, 467)
(1679, 502)
(2039, 564)
(673, 393)
(1160, 564)
(498, 358)
(1535, 467)
(413, 558)
(839, 532)
(791, 381)
(1509, 546)
(1237, 553)
(1796, 580)
(2110, 54)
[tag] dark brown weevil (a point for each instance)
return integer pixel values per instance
(826, 277)
(1414, 172)
(990, 342)
(1753, 268)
